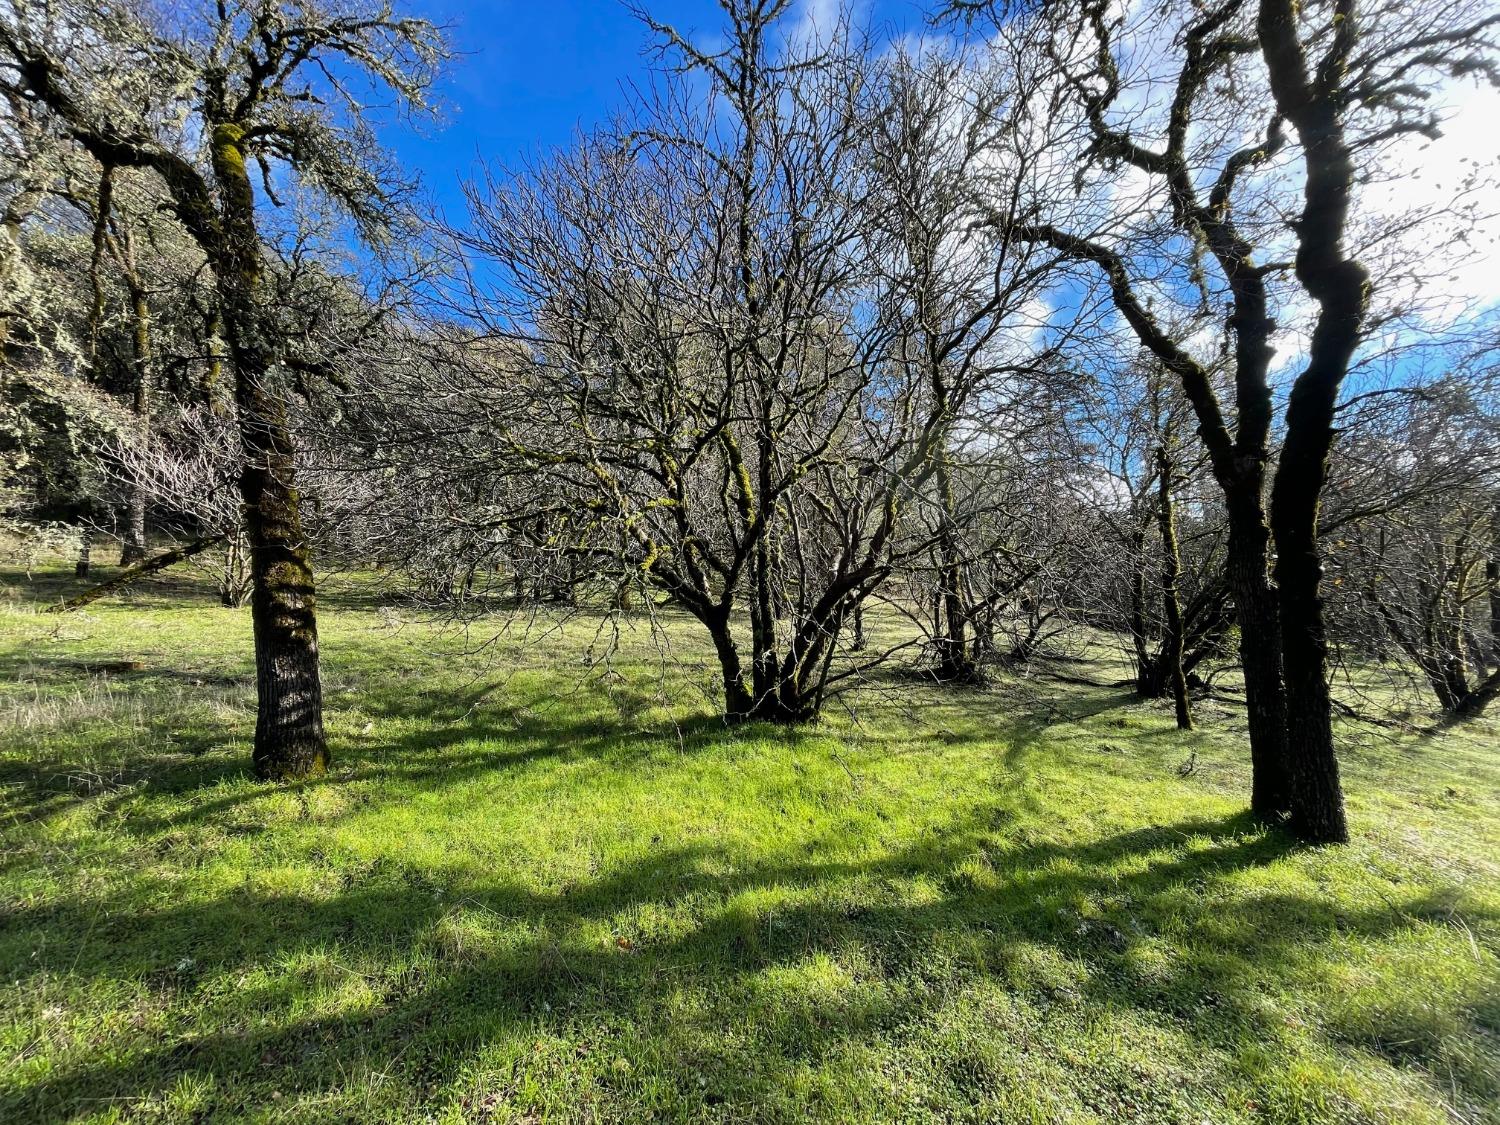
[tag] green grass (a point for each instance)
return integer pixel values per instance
(524, 895)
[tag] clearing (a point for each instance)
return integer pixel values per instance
(527, 895)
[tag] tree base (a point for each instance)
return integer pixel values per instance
(296, 762)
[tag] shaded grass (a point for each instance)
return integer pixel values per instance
(525, 895)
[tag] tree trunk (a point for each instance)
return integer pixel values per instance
(955, 655)
(1316, 809)
(1450, 685)
(1340, 286)
(1492, 577)
(1148, 681)
(1246, 564)
(1171, 568)
(85, 552)
(1475, 702)
(763, 663)
(234, 584)
(954, 659)
(13, 269)
(289, 721)
(737, 700)
(213, 371)
(289, 740)
(134, 548)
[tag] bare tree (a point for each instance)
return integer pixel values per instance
(955, 302)
(1411, 536)
(1156, 557)
(731, 339)
(1333, 87)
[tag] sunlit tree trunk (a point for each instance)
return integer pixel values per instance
(85, 553)
(134, 547)
(1171, 568)
(289, 740)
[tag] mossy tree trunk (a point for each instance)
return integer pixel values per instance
(245, 86)
(134, 547)
(289, 739)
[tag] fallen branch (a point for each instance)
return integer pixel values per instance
(140, 570)
(1350, 712)
(1080, 681)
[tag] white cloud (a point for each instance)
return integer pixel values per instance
(818, 20)
(1462, 277)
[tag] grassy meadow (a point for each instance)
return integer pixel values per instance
(528, 892)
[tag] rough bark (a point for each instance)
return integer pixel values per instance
(1340, 286)
(289, 740)
(1247, 568)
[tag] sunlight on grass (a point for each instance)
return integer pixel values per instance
(523, 895)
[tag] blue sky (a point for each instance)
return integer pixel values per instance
(529, 74)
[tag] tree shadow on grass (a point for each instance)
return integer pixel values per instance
(437, 1004)
(444, 737)
(125, 672)
(175, 588)
(441, 1004)
(448, 736)
(183, 585)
